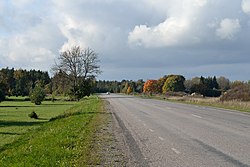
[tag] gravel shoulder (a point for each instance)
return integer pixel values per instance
(110, 142)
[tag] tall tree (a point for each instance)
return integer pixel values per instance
(174, 83)
(150, 86)
(224, 83)
(79, 64)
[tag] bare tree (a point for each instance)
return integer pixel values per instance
(79, 64)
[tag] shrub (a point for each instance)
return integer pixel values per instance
(240, 92)
(33, 115)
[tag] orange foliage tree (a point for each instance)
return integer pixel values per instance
(129, 90)
(150, 86)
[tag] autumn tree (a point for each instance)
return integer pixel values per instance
(129, 90)
(174, 83)
(160, 83)
(79, 64)
(150, 86)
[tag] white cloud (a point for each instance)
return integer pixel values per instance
(167, 33)
(228, 28)
(178, 27)
(245, 4)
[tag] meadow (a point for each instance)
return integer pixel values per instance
(14, 119)
(62, 136)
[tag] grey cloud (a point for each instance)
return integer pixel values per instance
(104, 25)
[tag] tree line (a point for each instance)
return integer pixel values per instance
(74, 76)
(178, 85)
(124, 86)
(20, 82)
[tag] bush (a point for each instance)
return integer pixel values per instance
(240, 93)
(33, 115)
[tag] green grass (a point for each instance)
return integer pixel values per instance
(65, 141)
(14, 119)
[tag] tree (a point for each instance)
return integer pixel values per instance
(160, 83)
(224, 83)
(61, 83)
(2, 95)
(215, 84)
(150, 86)
(125, 88)
(189, 83)
(207, 87)
(37, 95)
(129, 90)
(174, 83)
(84, 89)
(79, 65)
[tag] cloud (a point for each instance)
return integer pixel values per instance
(29, 37)
(245, 4)
(174, 30)
(228, 28)
(91, 24)
(174, 36)
(165, 34)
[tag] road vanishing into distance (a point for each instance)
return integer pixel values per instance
(161, 133)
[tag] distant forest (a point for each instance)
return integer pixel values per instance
(20, 82)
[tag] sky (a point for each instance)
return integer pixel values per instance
(142, 39)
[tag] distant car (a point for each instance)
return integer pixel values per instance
(108, 93)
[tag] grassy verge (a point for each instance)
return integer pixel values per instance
(66, 140)
(213, 102)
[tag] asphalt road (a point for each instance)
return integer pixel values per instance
(161, 133)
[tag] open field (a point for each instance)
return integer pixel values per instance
(14, 119)
(64, 140)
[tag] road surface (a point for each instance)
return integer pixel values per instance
(161, 133)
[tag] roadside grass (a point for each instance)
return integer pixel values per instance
(14, 119)
(207, 101)
(65, 140)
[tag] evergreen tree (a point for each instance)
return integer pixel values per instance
(37, 95)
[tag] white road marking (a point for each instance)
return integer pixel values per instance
(139, 120)
(144, 124)
(161, 138)
(151, 130)
(197, 116)
(176, 151)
